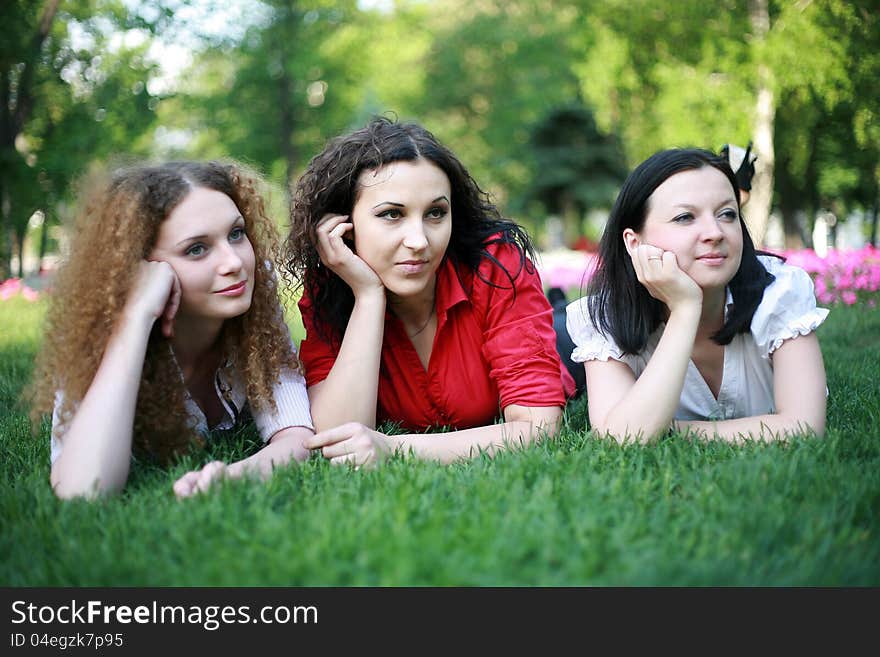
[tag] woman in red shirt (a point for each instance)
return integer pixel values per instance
(420, 303)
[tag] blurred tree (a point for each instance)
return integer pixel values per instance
(27, 24)
(75, 94)
(577, 167)
(274, 97)
(494, 69)
(704, 74)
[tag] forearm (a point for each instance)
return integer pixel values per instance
(766, 428)
(648, 407)
(467, 443)
(284, 447)
(96, 452)
(349, 392)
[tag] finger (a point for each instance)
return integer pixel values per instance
(347, 459)
(209, 474)
(329, 222)
(183, 487)
(335, 238)
(338, 449)
(330, 436)
(171, 307)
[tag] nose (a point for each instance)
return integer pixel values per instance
(230, 261)
(711, 229)
(415, 238)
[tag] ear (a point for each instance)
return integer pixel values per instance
(631, 240)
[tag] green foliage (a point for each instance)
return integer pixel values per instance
(579, 511)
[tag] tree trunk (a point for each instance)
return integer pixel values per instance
(874, 221)
(765, 110)
(44, 241)
(793, 233)
(13, 117)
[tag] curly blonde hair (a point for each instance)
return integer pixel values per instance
(116, 227)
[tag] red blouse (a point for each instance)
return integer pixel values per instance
(492, 349)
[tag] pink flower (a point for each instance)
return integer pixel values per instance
(29, 294)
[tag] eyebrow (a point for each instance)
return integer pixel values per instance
(442, 197)
(728, 201)
(239, 219)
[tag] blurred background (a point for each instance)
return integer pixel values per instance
(548, 102)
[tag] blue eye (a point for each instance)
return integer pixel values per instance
(683, 218)
(196, 250)
(729, 215)
(237, 234)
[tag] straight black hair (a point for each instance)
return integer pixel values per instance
(620, 306)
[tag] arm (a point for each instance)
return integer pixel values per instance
(349, 392)
(799, 392)
(356, 444)
(285, 446)
(624, 407)
(97, 444)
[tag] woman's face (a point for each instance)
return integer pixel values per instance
(694, 214)
(204, 241)
(402, 224)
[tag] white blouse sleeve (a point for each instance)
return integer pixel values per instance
(59, 426)
(590, 344)
(787, 309)
(291, 405)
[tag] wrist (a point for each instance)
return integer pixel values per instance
(373, 295)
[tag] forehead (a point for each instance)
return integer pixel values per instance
(697, 187)
(403, 181)
(201, 212)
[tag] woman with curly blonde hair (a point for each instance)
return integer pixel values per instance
(165, 323)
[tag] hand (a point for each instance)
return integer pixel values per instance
(659, 272)
(352, 443)
(340, 259)
(198, 481)
(155, 294)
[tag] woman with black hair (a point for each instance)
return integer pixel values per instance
(421, 304)
(685, 326)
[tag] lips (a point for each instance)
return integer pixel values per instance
(413, 266)
(712, 258)
(233, 290)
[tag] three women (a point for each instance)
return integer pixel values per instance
(422, 309)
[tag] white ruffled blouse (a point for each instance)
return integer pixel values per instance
(787, 310)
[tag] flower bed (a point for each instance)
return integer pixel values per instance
(845, 277)
(13, 287)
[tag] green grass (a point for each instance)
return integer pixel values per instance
(579, 511)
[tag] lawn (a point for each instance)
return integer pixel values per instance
(577, 511)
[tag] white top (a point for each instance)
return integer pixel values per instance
(290, 395)
(787, 310)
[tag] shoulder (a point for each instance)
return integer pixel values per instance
(591, 344)
(788, 306)
(507, 254)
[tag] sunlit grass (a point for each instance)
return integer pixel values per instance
(578, 511)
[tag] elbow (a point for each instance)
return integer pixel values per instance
(627, 433)
(70, 488)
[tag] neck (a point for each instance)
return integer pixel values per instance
(193, 342)
(414, 312)
(712, 315)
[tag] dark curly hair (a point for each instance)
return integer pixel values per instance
(330, 185)
(619, 305)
